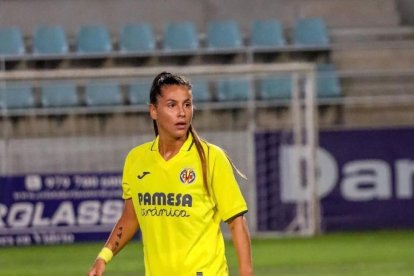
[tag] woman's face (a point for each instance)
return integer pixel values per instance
(173, 111)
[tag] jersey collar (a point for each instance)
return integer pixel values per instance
(185, 147)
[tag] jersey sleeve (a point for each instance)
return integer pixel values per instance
(126, 176)
(227, 195)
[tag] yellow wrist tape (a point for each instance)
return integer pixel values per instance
(106, 254)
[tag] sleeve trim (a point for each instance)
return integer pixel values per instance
(236, 215)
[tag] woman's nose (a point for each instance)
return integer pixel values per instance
(181, 111)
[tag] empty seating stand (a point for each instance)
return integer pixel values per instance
(279, 87)
(327, 82)
(103, 93)
(16, 96)
(50, 41)
(223, 39)
(233, 88)
(267, 34)
(275, 87)
(311, 33)
(200, 90)
(138, 92)
(11, 42)
(180, 37)
(224, 35)
(93, 40)
(137, 38)
(59, 94)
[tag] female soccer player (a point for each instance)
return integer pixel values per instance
(177, 190)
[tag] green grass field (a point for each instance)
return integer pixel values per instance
(368, 253)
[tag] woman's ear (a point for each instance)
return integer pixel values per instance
(153, 111)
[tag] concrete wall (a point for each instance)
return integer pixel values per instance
(73, 13)
(406, 8)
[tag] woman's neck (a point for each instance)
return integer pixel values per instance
(169, 147)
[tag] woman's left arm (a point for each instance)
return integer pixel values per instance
(241, 240)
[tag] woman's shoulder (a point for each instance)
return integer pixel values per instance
(140, 150)
(213, 149)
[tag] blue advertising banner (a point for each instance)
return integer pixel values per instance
(56, 209)
(365, 179)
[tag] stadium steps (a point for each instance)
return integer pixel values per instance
(378, 48)
(341, 36)
(378, 83)
(353, 13)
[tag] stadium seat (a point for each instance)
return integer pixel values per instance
(11, 41)
(310, 32)
(223, 35)
(93, 39)
(16, 96)
(50, 40)
(275, 87)
(200, 90)
(137, 38)
(180, 36)
(233, 89)
(103, 94)
(138, 92)
(327, 81)
(267, 33)
(62, 94)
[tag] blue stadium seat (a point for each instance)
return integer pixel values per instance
(138, 92)
(310, 32)
(16, 96)
(233, 89)
(11, 41)
(103, 93)
(50, 40)
(327, 81)
(200, 90)
(223, 35)
(280, 87)
(267, 33)
(137, 37)
(275, 87)
(180, 36)
(93, 39)
(59, 94)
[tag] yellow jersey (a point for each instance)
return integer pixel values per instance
(179, 221)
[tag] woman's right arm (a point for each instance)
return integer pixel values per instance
(123, 231)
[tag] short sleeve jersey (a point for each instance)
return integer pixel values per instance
(179, 220)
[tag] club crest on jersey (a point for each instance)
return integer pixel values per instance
(187, 176)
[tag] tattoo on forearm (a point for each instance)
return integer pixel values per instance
(119, 235)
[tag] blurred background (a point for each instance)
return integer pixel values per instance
(312, 99)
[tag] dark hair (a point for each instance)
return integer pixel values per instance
(165, 79)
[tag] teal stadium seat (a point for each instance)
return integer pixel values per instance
(200, 90)
(16, 96)
(103, 93)
(275, 87)
(11, 42)
(223, 35)
(267, 34)
(310, 32)
(59, 94)
(280, 87)
(233, 89)
(93, 40)
(138, 92)
(137, 38)
(327, 81)
(50, 40)
(180, 36)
